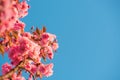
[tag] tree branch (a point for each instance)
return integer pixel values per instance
(9, 74)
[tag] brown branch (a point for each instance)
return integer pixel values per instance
(16, 68)
(9, 74)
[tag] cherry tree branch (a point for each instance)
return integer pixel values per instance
(9, 74)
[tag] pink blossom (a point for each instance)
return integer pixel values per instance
(19, 25)
(27, 34)
(50, 52)
(33, 69)
(16, 77)
(28, 48)
(15, 61)
(6, 68)
(24, 6)
(25, 45)
(47, 50)
(55, 46)
(23, 9)
(46, 70)
(44, 39)
(14, 55)
(45, 36)
(49, 71)
(35, 53)
(10, 13)
(7, 16)
(28, 66)
(30, 77)
(52, 37)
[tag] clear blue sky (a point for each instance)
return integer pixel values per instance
(88, 33)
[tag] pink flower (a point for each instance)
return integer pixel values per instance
(52, 37)
(29, 48)
(24, 6)
(27, 34)
(46, 70)
(15, 55)
(28, 66)
(23, 9)
(16, 77)
(30, 77)
(16, 60)
(6, 68)
(24, 46)
(49, 71)
(55, 46)
(19, 25)
(50, 52)
(33, 69)
(46, 38)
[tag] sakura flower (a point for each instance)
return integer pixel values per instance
(14, 55)
(46, 38)
(52, 37)
(30, 77)
(16, 77)
(46, 70)
(55, 46)
(6, 68)
(33, 68)
(19, 25)
(29, 47)
(27, 34)
(50, 52)
(23, 9)
(24, 6)
(25, 50)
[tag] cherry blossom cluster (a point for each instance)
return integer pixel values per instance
(10, 13)
(26, 50)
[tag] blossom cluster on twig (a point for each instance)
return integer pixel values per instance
(25, 50)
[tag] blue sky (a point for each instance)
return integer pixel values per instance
(88, 33)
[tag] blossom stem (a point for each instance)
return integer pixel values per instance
(9, 74)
